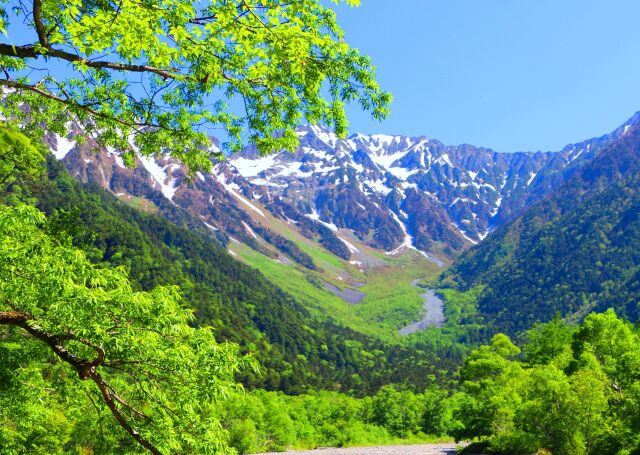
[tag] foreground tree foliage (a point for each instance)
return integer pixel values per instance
(81, 329)
(572, 394)
(143, 77)
(164, 74)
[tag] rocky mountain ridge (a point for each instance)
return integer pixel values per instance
(393, 192)
(574, 252)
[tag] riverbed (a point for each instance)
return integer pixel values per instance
(347, 294)
(433, 312)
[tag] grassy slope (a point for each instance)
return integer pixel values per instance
(391, 301)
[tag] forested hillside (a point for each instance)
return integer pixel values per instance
(297, 352)
(575, 252)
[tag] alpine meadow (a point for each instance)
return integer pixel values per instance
(199, 256)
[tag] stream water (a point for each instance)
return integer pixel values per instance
(433, 312)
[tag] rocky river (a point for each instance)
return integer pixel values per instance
(433, 312)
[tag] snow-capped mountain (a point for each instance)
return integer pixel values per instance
(386, 187)
(393, 192)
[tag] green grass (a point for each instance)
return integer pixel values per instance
(391, 302)
(294, 279)
(321, 257)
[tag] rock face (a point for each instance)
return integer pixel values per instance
(391, 191)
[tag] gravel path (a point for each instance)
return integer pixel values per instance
(417, 449)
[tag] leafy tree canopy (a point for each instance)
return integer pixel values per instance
(158, 376)
(134, 354)
(578, 393)
(162, 74)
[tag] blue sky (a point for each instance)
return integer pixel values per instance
(507, 74)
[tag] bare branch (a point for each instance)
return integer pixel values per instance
(37, 20)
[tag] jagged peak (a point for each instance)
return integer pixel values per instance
(447, 195)
(575, 149)
(320, 132)
(633, 121)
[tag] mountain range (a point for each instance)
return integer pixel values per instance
(392, 192)
(369, 197)
(574, 252)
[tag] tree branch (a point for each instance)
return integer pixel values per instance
(23, 321)
(86, 370)
(110, 398)
(72, 103)
(31, 51)
(37, 20)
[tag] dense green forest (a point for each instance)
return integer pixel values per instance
(297, 352)
(575, 252)
(571, 389)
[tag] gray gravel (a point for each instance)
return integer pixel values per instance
(417, 449)
(433, 312)
(347, 294)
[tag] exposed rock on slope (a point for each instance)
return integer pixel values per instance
(393, 192)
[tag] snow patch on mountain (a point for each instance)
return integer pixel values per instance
(463, 233)
(249, 230)
(349, 245)
(494, 211)
(232, 189)
(116, 157)
(324, 135)
(378, 186)
(160, 176)
(444, 158)
(408, 239)
(252, 167)
(386, 161)
(213, 228)
(315, 216)
(402, 173)
(63, 147)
